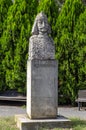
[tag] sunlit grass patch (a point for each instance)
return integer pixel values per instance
(7, 123)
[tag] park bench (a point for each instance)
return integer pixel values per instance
(81, 98)
(12, 95)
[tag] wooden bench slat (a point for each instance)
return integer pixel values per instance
(19, 98)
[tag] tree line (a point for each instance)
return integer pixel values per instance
(68, 25)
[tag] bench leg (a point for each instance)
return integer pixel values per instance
(79, 104)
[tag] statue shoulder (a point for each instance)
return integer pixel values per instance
(33, 37)
(51, 39)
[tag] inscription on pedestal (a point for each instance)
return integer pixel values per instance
(45, 63)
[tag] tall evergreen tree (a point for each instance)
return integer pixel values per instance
(15, 41)
(80, 40)
(4, 6)
(66, 47)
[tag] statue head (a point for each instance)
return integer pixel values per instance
(41, 25)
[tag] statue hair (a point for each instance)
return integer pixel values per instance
(35, 26)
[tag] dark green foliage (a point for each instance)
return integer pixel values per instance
(66, 48)
(15, 41)
(80, 37)
(4, 6)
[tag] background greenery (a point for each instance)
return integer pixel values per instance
(68, 23)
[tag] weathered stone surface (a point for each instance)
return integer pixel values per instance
(24, 123)
(84, 1)
(42, 88)
(41, 72)
(41, 45)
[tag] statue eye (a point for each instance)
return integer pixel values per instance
(40, 21)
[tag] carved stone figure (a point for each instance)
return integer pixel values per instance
(41, 45)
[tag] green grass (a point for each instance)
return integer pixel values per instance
(9, 124)
(78, 124)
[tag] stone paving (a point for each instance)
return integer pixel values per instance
(69, 112)
(72, 112)
(6, 111)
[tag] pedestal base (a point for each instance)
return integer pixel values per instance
(24, 123)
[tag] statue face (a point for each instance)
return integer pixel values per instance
(42, 25)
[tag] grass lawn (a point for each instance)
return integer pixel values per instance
(9, 124)
(78, 124)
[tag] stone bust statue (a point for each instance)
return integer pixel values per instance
(41, 45)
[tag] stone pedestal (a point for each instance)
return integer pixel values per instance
(24, 123)
(42, 89)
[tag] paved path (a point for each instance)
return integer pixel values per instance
(11, 110)
(70, 112)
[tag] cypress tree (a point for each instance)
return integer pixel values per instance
(4, 6)
(15, 41)
(66, 48)
(80, 39)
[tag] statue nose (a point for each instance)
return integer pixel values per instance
(43, 24)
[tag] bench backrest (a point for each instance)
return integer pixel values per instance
(82, 94)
